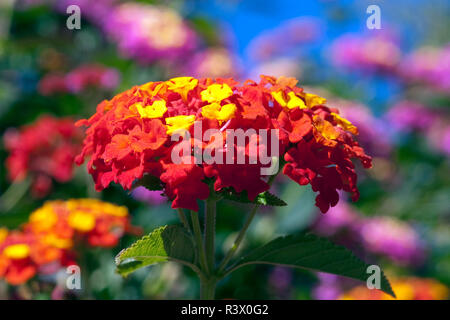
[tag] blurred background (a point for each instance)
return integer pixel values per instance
(393, 83)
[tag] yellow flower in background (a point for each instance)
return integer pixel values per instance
(81, 221)
(43, 218)
(3, 234)
(17, 251)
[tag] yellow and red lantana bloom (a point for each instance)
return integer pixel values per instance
(129, 136)
(46, 241)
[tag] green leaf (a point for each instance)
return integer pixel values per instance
(265, 198)
(308, 251)
(161, 245)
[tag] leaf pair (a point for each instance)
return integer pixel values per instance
(304, 251)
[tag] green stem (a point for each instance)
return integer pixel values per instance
(183, 219)
(241, 234)
(239, 239)
(210, 231)
(207, 288)
(198, 241)
(13, 194)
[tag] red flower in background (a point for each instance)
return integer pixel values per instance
(43, 150)
(129, 136)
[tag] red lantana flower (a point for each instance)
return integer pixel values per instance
(43, 150)
(131, 136)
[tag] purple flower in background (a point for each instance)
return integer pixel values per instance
(439, 135)
(329, 287)
(428, 65)
(153, 198)
(285, 38)
(337, 218)
(408, 115)
(380, 235)
(147, 32)
(392, 238)
(280, 280)
(377, 51)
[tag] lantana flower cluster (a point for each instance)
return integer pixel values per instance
(130, 135)
(45, 242)
(42, 151)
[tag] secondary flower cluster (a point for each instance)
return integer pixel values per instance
(44, 243)
(79, 79)
(129, 136)
(405, 289)
(43, 150)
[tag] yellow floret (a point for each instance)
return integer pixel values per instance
(179, 123)
(216, 92)
(155, 110)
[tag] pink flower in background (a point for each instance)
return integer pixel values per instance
(392, 238)
(329, 287)
(92, 76)
(151, 197)
(386, 236)
(286, 37)
(377, 52)
(147, 32)
(428, 65)
(213, 63)
(439, 136)
(52, 83)
(342, 216)
(434, 125)
(79, 79)
(410, 115)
